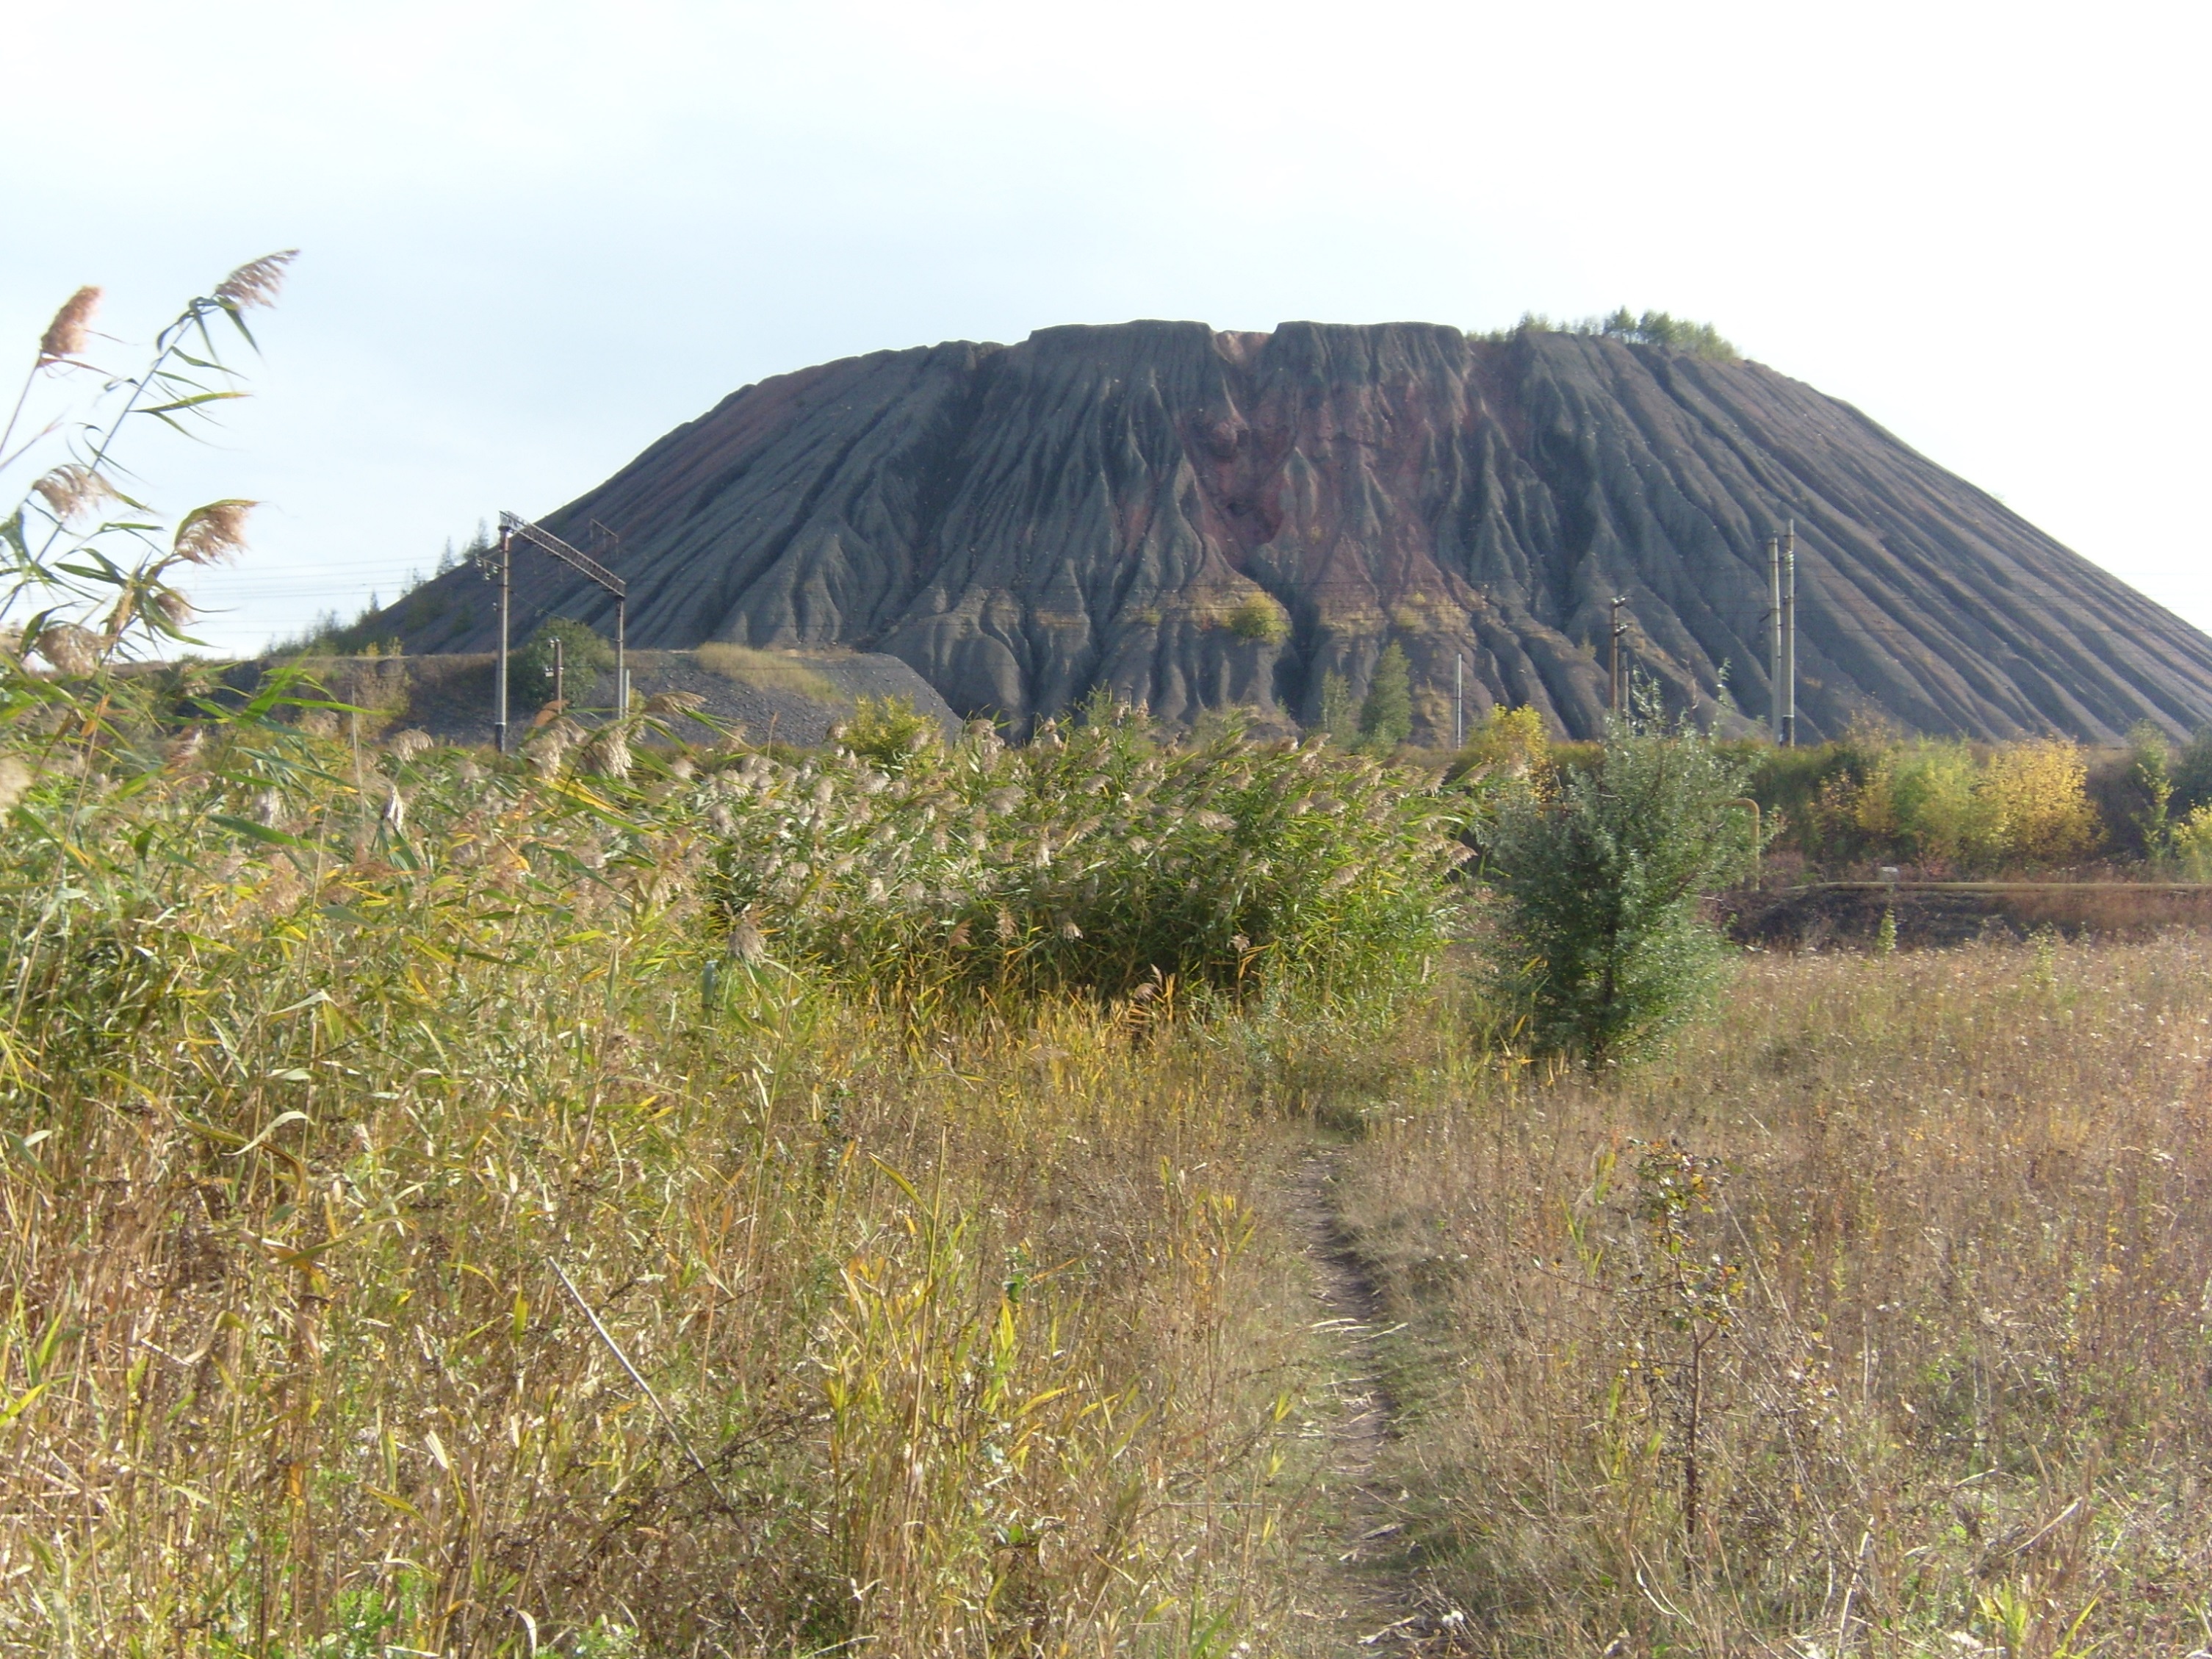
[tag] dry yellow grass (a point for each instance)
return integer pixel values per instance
(768, 671)
(1944, 1325)
(962, 1352)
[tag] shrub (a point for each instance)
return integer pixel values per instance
(1675, 333)
(1508, 744)
(1608, 948)
(1650, 328)
(2034, 805)
(2191, 844)
(889, 734)
(1260, 617)
(1929, 784)
(2191, 774)
(1933, 802)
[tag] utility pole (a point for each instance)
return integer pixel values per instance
(1619, 698)
(560, 676)
(1774, 679)
(604, 539)
(1789, 634)
(512, 528)
(506, 598)
(1459, 700)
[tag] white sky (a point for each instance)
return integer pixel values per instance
(538, 235)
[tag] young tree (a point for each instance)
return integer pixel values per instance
(584, 657)
(1338, 719)
(1607, 949)
(1386, 718)
(2150, 783)
(2191, 774)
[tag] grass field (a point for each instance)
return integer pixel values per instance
(1934, 1335)
(768, 669)
(720, 1204)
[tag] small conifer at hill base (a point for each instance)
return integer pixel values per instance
(1604, 879)
(1386, 718)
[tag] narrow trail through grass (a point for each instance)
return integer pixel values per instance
(1371, 1583)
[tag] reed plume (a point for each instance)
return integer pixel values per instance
(65, 336)
(72, 650)
(254, 284)
(71, 489)
(210, 534)
(608, 755)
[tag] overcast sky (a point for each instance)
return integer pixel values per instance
(536, 236)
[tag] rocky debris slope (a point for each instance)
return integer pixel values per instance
(1199, 519)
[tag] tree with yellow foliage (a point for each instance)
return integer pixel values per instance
(2032, 804)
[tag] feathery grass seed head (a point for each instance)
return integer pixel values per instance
(65, 336)
(255, 284)
(71, 489)
(212, 533)
(73, 650)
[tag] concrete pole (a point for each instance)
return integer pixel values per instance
(1789, 636)
(622, 659)
(1774, 636)
(505, 600)
(1619, 695)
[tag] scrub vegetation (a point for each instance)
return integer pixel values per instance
(1943, 808)
(654, 1194)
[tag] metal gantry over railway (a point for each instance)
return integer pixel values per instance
(498, 562)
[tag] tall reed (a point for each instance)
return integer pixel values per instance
(424, 1229)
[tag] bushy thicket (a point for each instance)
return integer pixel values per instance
(1941, 805)
(1094, 858)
